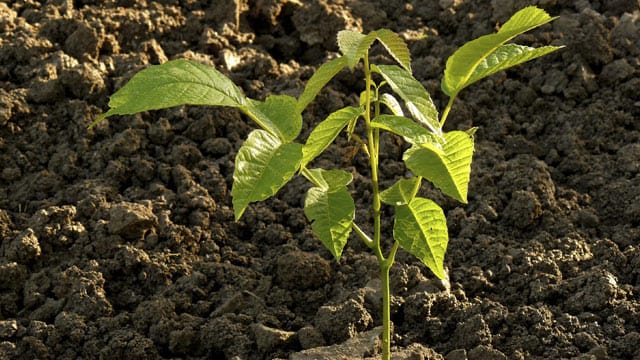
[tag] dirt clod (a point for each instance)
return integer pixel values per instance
(24, 248)
(8, 328)
(268, 339)
(342, 321)
(300, 270)
(131, 220)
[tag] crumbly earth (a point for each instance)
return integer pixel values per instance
(118, 242)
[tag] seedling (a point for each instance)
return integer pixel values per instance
(392, 100)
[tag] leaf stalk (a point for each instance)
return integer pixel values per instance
(445, 112)
(365, 238)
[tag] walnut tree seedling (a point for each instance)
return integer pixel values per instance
(271, 156)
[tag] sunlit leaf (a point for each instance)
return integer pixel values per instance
(392, 103)
(174, 83)
(395, 46)
(507, 56)
(462, 65)
(186, 82)
(354, 45)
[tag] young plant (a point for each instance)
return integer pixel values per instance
(270, 156)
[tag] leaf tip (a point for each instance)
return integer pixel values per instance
(237, 214)
(440, 273)
(238, 210)
(98, 119)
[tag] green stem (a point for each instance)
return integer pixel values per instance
(386, 312)
(365, 238)
(445, 113)
(373, 160)
(385, 266)
(373, 137)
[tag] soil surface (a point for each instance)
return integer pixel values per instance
(119, 242)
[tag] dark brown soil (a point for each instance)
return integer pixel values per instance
(119, 242)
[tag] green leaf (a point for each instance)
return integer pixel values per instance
(319, 79)
(263, 165)
(395, 46)
(392, 103)
(331, 210)
(462, 65)
(185, 82)
(402, 192)
(326, 132)
(327, 179)
(351, 126)
(174, 83)
(354, 45)
(420, 228)
(507, 56)
(405, 127)
(278, 115)
(415, 96)
(448, 169)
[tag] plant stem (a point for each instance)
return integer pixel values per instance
(386, 311)
(373, 137)
(385, 266)
(373, 159)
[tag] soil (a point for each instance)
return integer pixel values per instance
(118, 242)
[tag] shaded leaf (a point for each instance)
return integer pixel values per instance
(331, 211)
(405, 127)
(326, 132)
(420, 228)
(263, 165)
(327, 179)
(402, 192)
(415, 96)
(277, 113)
(448, 169)
(319, 79)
